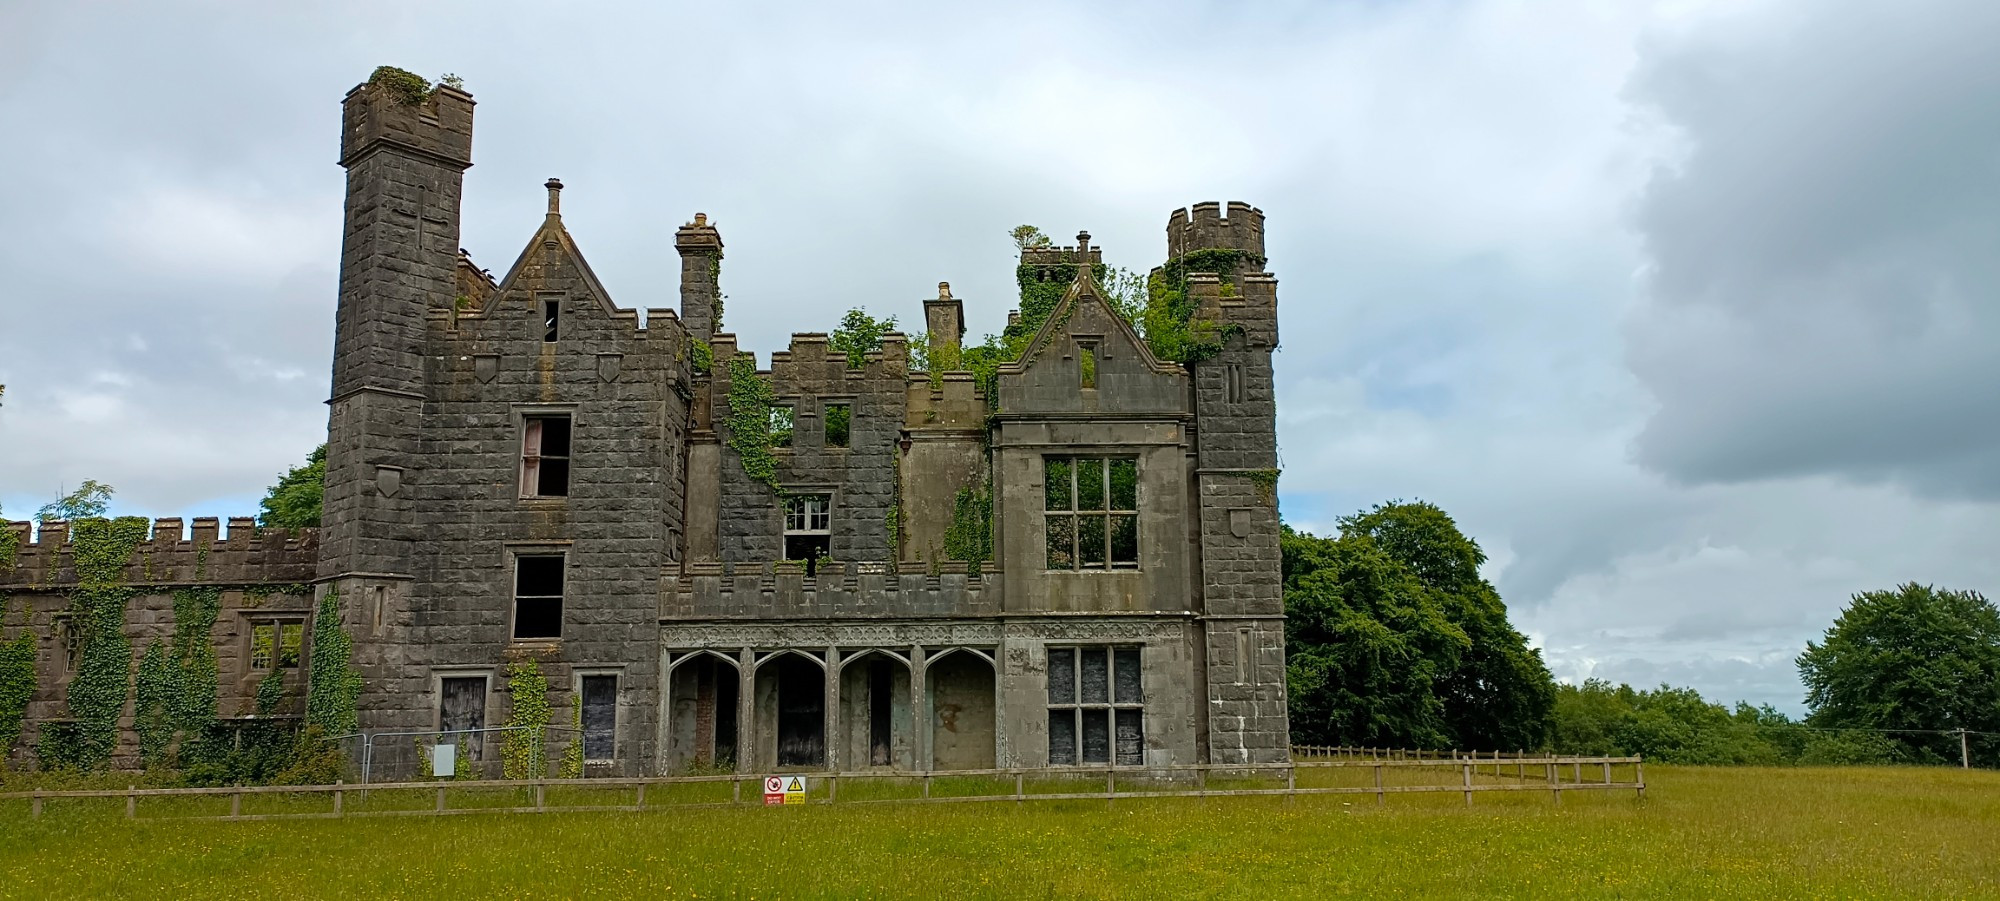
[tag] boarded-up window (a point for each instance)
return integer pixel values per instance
(545, 456)
(463, 709)
(1096, 706)
(600, 717)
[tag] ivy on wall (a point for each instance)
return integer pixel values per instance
(702, 355)
(572, 762)
(1171, 326)
(271, 692)
(969, 536)
(10, 547)
(17, 681)
(521, 754)
(176, 690)
(750, 400)
(334, 687)
(150, 712)
(101, 549)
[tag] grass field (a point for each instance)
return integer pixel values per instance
(1700, 833)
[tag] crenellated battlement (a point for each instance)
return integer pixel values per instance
(387, 110)
(1205, 227)
(837, 590)
(173, 554)
(954, 402)
(1066, 255)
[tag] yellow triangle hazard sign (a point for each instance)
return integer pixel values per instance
(794, 785)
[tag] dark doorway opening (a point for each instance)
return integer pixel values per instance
(878, 712)
(801, 712)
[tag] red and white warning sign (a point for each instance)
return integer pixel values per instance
(774, 790)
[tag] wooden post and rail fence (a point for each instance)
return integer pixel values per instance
(1380, 773)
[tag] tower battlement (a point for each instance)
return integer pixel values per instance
(1205, 227)
(1065, 255)
(390, 108)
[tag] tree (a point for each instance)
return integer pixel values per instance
(1026, 236)
(1918, 658)
(90, 499)
(294, 503)
(1367, 644)
(1500, 693)
(859, 333)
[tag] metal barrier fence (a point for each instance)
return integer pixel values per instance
(477, 753)
(1380, 778)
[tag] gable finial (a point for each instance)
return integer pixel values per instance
(555, 196)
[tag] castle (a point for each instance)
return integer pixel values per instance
(833, 562)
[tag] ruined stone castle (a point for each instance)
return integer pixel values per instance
(718, 563)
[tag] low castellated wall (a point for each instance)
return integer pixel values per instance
(261, 577)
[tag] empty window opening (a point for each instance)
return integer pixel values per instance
(713, 695)
(1087, 364)
(1096, 706)
(545, 456)
(600, 717)
(538, 596)
(1232, 383)
(839, 424)
(809, 529)
(551, 319)
(879, 693)
(781, 426)
(462, 709)
(276, 644)
(1091, 509)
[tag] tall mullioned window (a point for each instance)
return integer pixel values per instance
(1091, 512)
(1097, 708)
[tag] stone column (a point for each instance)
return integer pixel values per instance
(832, 718)
(920, 719)
(746, 710)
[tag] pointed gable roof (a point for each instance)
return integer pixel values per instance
(1084, 285)
(552, 232)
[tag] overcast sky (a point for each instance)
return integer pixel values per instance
(1685, 310)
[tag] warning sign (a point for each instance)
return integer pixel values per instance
(774, 790)
(795, 789)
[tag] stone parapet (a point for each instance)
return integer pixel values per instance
(837, 590)
(204, 555)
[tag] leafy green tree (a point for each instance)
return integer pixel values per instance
(1671, 725)
(294, 503)
(859, 333)
(1499, 693)
(1915, 658)
(90, 499)
(1367, 645)
(1026, 236)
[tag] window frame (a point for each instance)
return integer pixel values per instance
(1076, 533)
(807, 528)
(278, 624)
(561, 599)
(531, 456)
(617, 675)
(1115, 709)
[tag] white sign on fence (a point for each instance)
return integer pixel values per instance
(444, 761)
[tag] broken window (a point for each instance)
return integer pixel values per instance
(538, 596)
(551, 316)
(276, 643)
(1091, 509)
(600, 717)
(781, 426)
(1096, 706)
(545, 456)
(839, 421)
(1087, 364)
(808, 528)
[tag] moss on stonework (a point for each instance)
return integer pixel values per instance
(1172, 329)
(409, 87)
(1266, 481)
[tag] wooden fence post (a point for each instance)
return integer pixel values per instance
(539, 798)
(339, 796)
(1291, 783)
(1110, 787)
(236, 802)
(1641, 777)
(1379, 798)
(1607, 772)
(736, 785)
(1467, 767)
(131, 802)
(37, 804)
(927, 785)
(832, 787)
(440, 801)
(1019, 794)
(1554, 789)
(640, 802)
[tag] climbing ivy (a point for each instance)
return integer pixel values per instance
(271, 691)
(521, 754)
(409, 87)
(17, 681)
(176, 689)
(150, 716)
(750, 400)
(1266, 481)
(892, 521)
(1172, 329)
(572, 762)
(333, 687)
(969, 536)
(103, 680)
(10, 547)
(702, 355)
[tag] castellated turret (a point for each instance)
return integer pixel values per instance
(1208, 229)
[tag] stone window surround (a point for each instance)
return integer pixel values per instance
(1111, 704)
(462, 671)
(1106, 512)
(519, 413)
(619, 717)
(251, 620)
(513, 551)
(852, 402)
(832, 494)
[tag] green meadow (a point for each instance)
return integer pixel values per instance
(1699, 833)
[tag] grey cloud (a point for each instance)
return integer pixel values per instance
(1823, 293)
